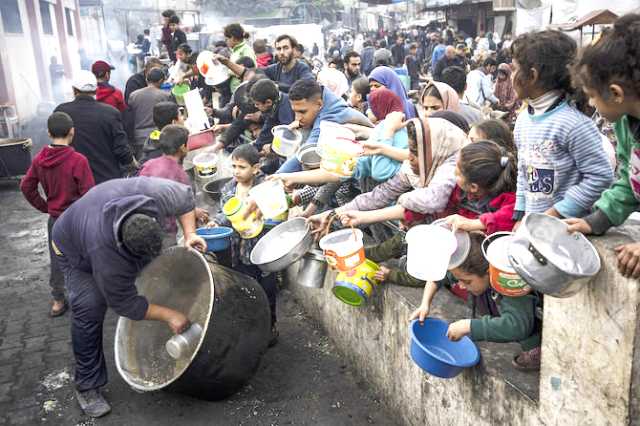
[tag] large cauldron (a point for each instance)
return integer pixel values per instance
(232, 310)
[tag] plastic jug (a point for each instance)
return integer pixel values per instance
(285, 141)
(250, 227)
(343, 249)
(338, 149)
(271, 198)
(429, 252)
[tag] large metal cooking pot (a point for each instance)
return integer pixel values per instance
(213, 188)
(551, 260)
(231, 308)
(283, 245)
(15, 156)
(313, 268)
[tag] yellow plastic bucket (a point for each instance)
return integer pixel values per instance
(355, 287)
(235, 209)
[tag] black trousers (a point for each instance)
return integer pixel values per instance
(88, 309)
(267, 281)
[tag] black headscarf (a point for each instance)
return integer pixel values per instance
(453, 118)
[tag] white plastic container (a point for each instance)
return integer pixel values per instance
(206, 164)
(338, 149)
(429, 252)
(183, 344)
(285, 141)
(344, 249)
(270, 197)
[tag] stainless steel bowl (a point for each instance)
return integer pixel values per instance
(282, 246)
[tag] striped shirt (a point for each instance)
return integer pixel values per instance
(561, 162)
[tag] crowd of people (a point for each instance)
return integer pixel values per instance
(431, 148)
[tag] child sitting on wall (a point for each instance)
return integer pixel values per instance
(501, 319)
(611, 79)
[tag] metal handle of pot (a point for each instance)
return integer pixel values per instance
(521, 270)
(537, 255)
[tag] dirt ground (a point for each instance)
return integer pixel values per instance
(302, 380)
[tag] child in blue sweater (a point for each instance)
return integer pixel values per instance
(562, 165)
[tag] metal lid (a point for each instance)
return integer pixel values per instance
(462, 248)
(571, 253)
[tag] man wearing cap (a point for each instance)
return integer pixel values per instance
(141, 103)
(99, 134)
(106, 93)
(102, 242)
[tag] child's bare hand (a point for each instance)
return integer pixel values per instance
(629, 260)
(420, 314)
(578, 225)
(459, 329)
(211, 224)
(202, 215)
(318, 223)
(382, 274)
(457, 222)
(351, 218)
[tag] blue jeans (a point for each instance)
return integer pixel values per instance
(290, 166)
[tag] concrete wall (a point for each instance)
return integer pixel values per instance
(590, 355)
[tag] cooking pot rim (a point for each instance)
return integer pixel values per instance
(205, 327)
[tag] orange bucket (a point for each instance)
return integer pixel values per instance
(502, 276)
(344, 249)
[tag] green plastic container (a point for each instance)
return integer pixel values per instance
(179, 90)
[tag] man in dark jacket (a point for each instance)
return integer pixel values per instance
(367, 57)
(450, 59)
(139, 80)
(99, 134)
(399, 52)
(102, 242)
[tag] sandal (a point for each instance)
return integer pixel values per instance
(59, 312)
(528, 360)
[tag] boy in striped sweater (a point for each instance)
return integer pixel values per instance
(562, 165)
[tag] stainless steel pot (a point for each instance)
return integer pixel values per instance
(282, 246)
(313, 268)
(551, 260)
(232, 310)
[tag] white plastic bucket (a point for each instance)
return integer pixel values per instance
(206, 164)
(338, 149)
(270, 197)
(285, 141)
(429, 252)
(343, 249)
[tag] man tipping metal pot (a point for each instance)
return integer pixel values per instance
(103, 241)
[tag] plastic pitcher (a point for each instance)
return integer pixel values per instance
(338, 149)
(250, 227)
(429, 252)
(285, 141)
(343, 249)
(270, 197)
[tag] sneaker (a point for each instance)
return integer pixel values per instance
(274, 336)
(93, 403)
(528, 360)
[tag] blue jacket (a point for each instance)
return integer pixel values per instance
(87, 234)
(380, 167)
(281, 114)
(336, 110)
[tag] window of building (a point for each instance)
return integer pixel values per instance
(45, 16)
(68, 13)
(11, 16)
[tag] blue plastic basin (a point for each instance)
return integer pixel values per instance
(217, 239)
(432, 350)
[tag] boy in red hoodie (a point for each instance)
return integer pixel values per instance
(106, 93)
(65, 176)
